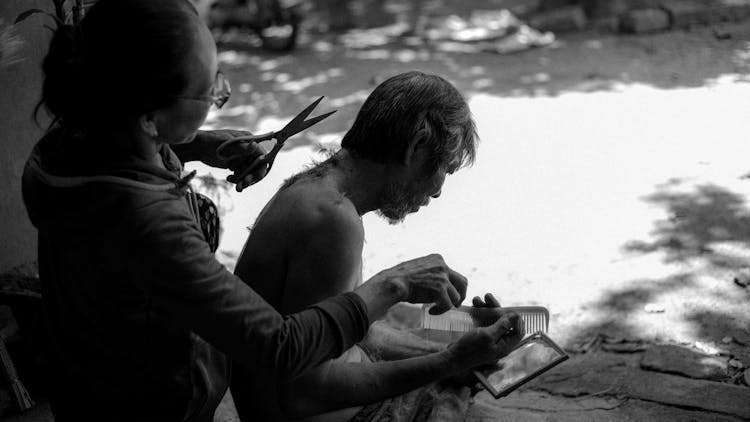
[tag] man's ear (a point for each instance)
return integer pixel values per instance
(147, 123)
(416, 143)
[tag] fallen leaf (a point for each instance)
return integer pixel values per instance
(707, 348)
(653, 308)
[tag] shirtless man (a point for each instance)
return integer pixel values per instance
(412, 131)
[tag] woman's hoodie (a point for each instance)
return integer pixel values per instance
(135, 300)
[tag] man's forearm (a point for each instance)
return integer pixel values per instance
(380, 293)
(338, 385)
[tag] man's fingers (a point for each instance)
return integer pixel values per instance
(260, 173)
(456, 298)
(459, 282)
(504, 326)
(491, 301)
(443, 303)
(521, 328)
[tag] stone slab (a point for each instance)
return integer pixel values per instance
(529, 405)
(570, 18)
(730, 10)
(644, 20)
(684, 361)
(604, 375)
(686, 13)
(597, 9)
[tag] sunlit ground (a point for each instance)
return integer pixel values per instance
(608, 178)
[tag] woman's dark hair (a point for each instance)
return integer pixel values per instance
(405, 105)
(127, 57)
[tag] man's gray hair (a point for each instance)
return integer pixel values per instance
(405, 105)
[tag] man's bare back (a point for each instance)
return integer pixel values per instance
(308, 222)
(309, 231)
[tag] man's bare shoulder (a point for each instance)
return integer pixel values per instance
(316, 208)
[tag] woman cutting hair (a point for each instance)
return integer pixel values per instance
(139, 310)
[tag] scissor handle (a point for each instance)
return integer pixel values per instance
(265, 160)
(240, 139)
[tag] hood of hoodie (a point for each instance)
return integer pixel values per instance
(67, 182)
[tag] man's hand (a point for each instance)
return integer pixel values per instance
(430, 280)
(489, 301)
(422, 280)
(244, 154)
(486, 345)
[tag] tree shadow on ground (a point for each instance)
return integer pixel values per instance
(710, 223)
(270, 88)
(706, 234)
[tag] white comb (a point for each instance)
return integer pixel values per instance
(535, 318)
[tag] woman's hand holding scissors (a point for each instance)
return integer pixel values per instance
(242, 152)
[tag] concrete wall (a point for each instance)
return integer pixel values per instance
(20, 88)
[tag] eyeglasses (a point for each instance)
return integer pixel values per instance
(220, 92)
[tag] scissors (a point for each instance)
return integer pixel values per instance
(297, 125)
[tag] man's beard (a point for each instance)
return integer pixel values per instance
(398, 201)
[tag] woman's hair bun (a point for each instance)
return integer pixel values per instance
(125, 58)
(63, 77)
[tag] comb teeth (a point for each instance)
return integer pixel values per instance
(534, 321)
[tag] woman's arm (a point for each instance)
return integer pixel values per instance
(338, 385)
(170, 262)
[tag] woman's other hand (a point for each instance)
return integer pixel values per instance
(486, 345)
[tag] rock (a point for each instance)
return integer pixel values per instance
(644, 21)
(546, 5)
(722, 34)
(681, 360)
(526, 8)
(742, 278)
(734, 363)
(598, 9)
(686, 13)
(727, 340)
(524, 39)
(730, 10)
(569, 18)
(623, 345)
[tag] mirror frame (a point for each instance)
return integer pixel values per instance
(538, 336)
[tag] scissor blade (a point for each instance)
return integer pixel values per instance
(299, 118)
(311, 121)
(290, 131)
